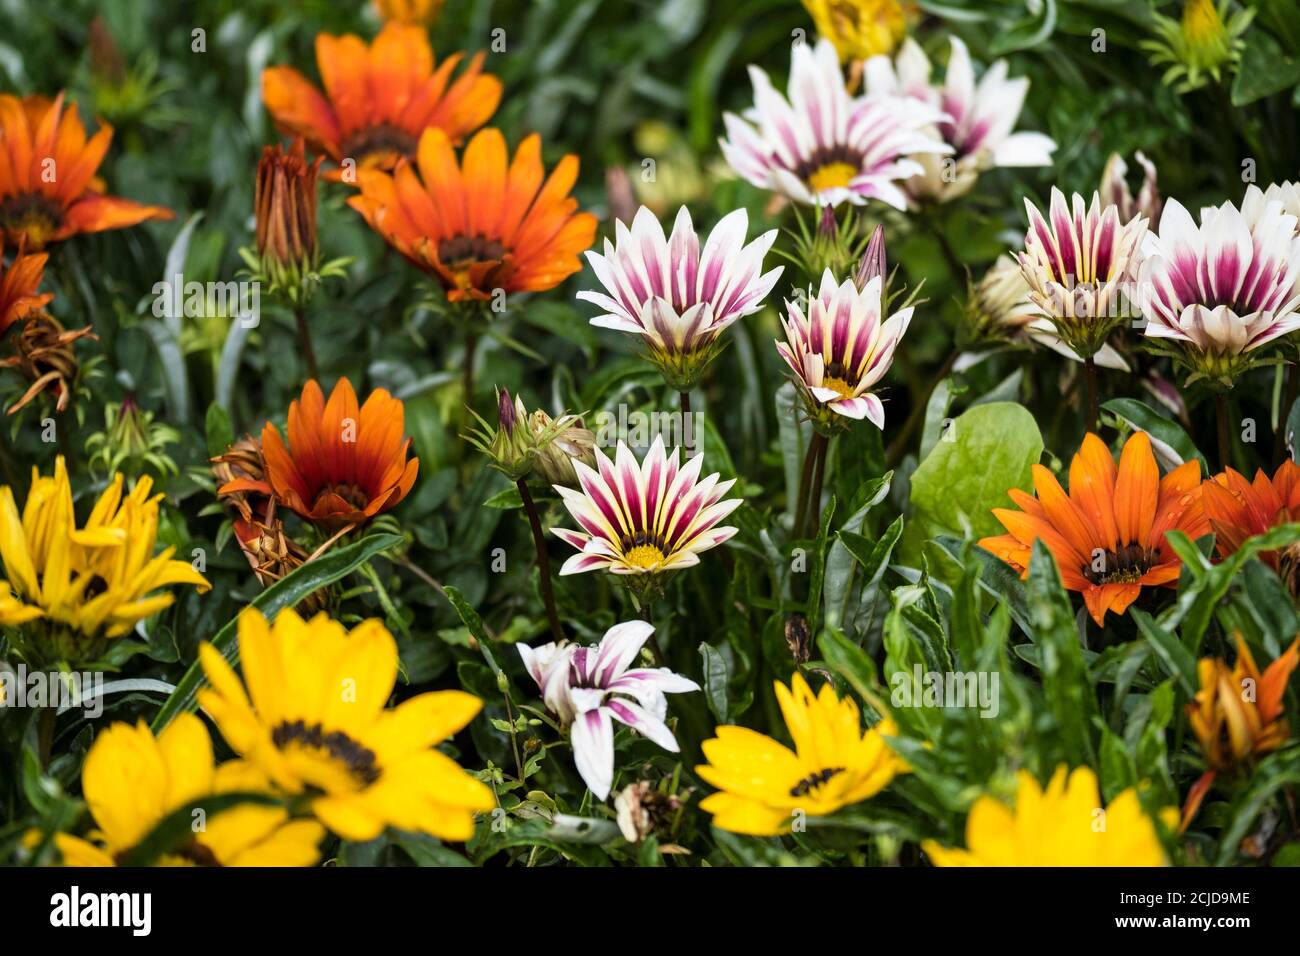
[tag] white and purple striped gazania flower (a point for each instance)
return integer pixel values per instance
(679, 297)
(977, 118)
(842, 347)
(644, 518)
(1078, 262)
(822, 146)
(1226, 287)
(588, 688)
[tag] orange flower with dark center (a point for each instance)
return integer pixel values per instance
(1239, 509)
(18, 285)
(343, 465)
(488, 223)
(48, 188)
(379, 99)
(1108, 534)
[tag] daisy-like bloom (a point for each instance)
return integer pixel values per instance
(859, 28)
(647, 518)
(310, 715)
(977, 118)
(1238, 712)
(1078, 262)
(73, 588)
(48, 188)
(1108, 534)
(379, 99)
(841, 348)
(344, 465)
(999, 309)
(1065, 824)
(132, 781)
(1115, 191)
(824, 147)
(588, 688)
(835, 763)
(1238, 509)
(677, 298)
(1286, 193)
(1201, 46)
(484, 224)
(1216, 293)
(18, 286)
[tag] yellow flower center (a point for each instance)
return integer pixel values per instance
(644, 556)
(839, 386)
(831, 176)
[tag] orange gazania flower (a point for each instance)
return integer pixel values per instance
(1239, 509)
(1237, 715)
(379, 99)
(1108, 534)
(18, 285)
(343, 465)
(488, 223)
(48, 188)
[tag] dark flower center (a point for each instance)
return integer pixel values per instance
(31, 213)
(359, 759)
(354, 495)
(814, 780)
(460, 252)
(1125, 566)
(378, 140)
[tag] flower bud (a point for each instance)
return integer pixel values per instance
(556, 453)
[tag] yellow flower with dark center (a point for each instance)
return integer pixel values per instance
(859, 29)
(83, 585)
(1064, 825)
(762, 784)
(310, 714)
(132, 781)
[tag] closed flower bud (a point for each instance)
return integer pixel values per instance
(558, 448)
(285, 202)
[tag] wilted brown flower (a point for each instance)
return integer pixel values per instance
(642, 809)
(44, 354)
(243, 459)
(797, 638)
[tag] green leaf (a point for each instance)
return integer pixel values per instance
(507, 499)
(218, 431)
(983, 453)
(716, 677)
(287, 592)
(1069, 695)
(1179, 661)
(1264, 70)
(469, 617)
(1170, 443)
(849, 660)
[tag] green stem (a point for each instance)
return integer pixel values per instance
(471, 345)
(1090, 383)
(1221, 422)
(815, 497)
(805, 482)
(305, 343)
(543, 560)
(1289, 398)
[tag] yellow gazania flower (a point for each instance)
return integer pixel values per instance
(1064, 825)
(83, 585)
(313, 720)
(763, 784)
(859, 29)
(132, 781)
